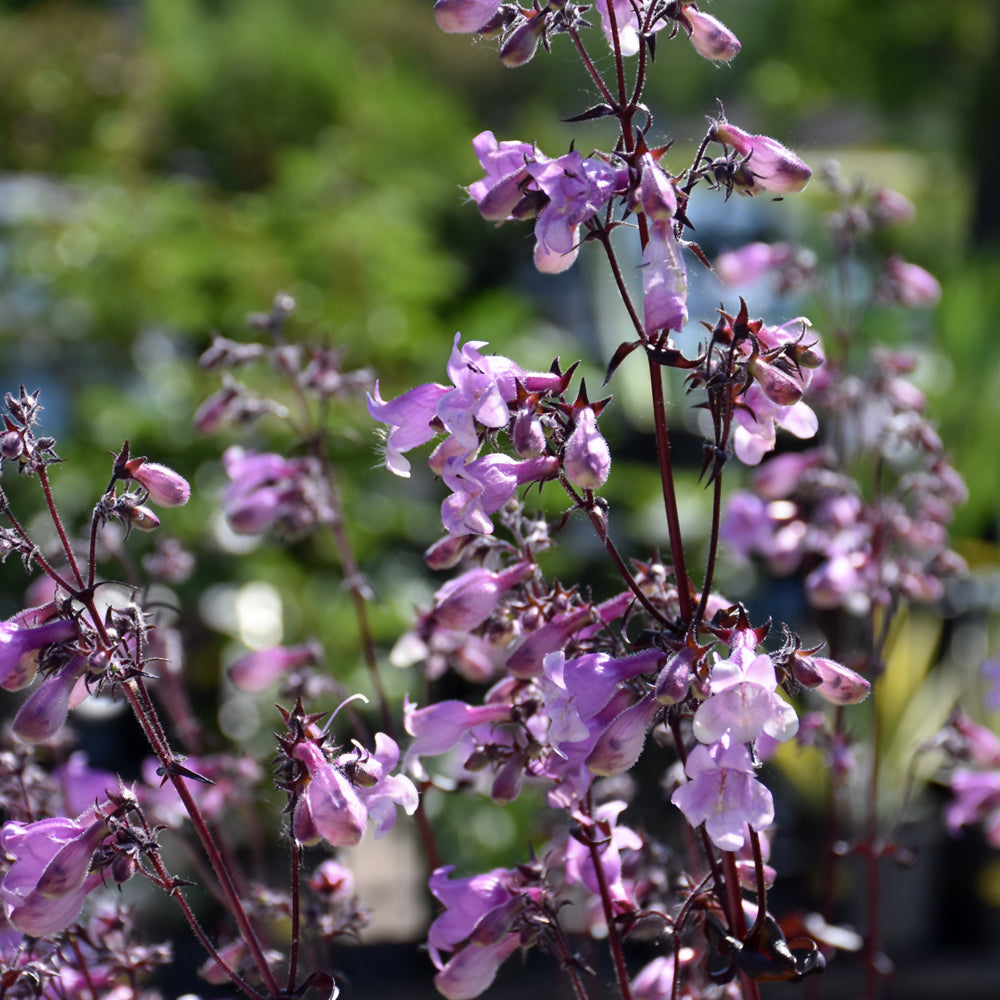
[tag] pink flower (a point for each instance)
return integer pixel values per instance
(165, 487)
(770, 166)
(259, 669)
(744, 702)
(577, 189)
(909, 284)
(710, 37)
(750, 262)
(20, 644)
(724, 794)
(45, 887)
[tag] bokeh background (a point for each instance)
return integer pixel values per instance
(168, 166)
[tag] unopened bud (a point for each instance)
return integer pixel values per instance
(522, 43)
(11, 445)
(142, 517)
(778, 386)
(710, 37)
(587, 458)
(621, 743)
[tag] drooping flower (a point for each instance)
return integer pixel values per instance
(481, 487)
(20, 644)
(469, 599)
(44, 712)
(611, 840)
(724, 794)
(338, 797)
(479, 925)
(45, 887)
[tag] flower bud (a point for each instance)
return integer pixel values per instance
(710, 37)
(527, 436)
(778, 386)
(141, 517)
(910, 285)
(672, 681)
(522, 42)
(45, 710)
(621, 743)
(11, 445)
(165, 487)
(587, 458)
(771, 166)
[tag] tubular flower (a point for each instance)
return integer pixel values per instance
(724, 794)
(479, 926)
(710, 37)
(769, 166)
(19, 647)
(44, 889)
(339, 796)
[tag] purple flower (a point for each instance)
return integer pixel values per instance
(268, 490)
(410, 418)
(724, 794)
(439, 727)
(339, 796)
(477, 925)
(611, 840)
(507, 177)
(44, 712)
(664, 281)
(757, 422)
(586, 456)
(577, 190)
(468, 600)
(744, 702)
(45, 887)
(19, 646)
(481, 487)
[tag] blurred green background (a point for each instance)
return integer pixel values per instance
(167, 166)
